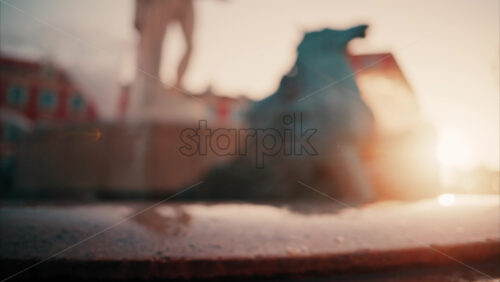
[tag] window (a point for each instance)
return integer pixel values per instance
(17, 95)
(47, 100)
(76, 103)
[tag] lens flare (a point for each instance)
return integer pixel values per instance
(446, 199)
(452, 152)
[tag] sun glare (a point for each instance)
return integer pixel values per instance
(452, 152)
(446, 199)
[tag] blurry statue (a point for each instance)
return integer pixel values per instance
(318, 94)
(152, 18)
(147, 100)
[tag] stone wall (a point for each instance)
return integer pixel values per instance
(108, 158)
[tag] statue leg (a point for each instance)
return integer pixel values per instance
(150, 53)
(187, 25)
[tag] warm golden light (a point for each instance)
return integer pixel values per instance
(446, 199)
(452, 152)
(97, 134)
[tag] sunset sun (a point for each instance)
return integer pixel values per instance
(452, 152)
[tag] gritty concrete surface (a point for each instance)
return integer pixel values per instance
(137, 240)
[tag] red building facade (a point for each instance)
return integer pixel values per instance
(42, 93)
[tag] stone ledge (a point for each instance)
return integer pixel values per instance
(189, 240)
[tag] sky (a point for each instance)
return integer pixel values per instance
(448, 50)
